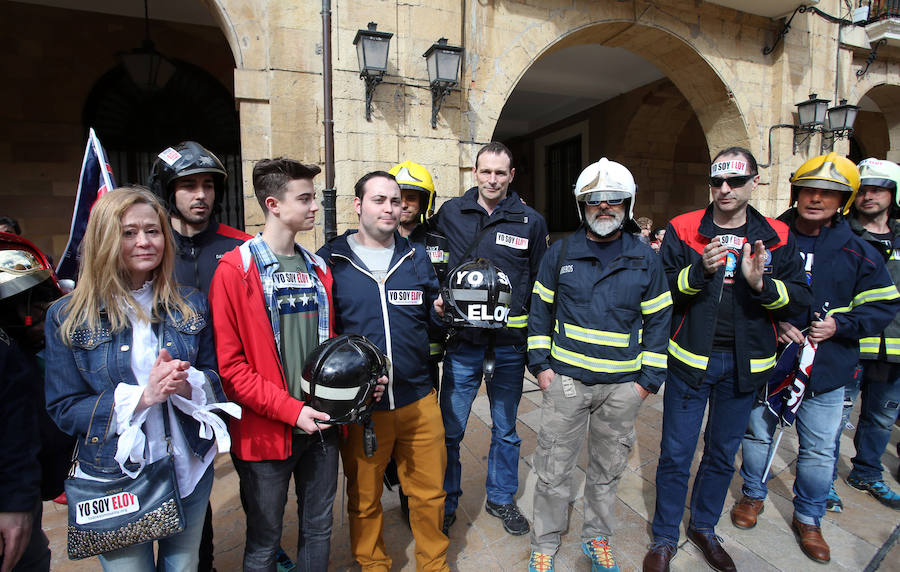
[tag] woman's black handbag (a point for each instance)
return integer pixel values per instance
(109, 515)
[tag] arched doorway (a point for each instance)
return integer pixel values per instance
(876, 132)
(636, 94)
(135, 124)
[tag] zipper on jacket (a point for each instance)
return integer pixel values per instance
(384, 313)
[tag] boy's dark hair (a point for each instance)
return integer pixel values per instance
(270, 176)
(495, 148)
(359, 189)
(8, 220)
(751, 160)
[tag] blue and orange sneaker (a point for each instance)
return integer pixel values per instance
(598, 550)
(540, 562)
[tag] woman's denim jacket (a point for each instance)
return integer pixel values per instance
(81, 379)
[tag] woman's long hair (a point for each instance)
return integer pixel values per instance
(104, 284)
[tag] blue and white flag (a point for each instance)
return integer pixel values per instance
(95, 181)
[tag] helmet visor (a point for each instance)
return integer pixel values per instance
(611, 198)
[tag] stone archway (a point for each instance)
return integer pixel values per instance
(878, 134)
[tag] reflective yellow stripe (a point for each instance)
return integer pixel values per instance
(686, 357)
(595, 364)
(782, 299)
(517, 321)
(654, 359)
(641, 335)
(892, 346)
(538, 342)
(838, 310)
(546, 294)
(599, 337)
(683, 283)
(869, 345)
(876, 295)
(762, 364)
(434, 349)
(662, 301)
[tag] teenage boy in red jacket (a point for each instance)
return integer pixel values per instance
(261, 359)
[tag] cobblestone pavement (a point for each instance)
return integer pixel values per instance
(478, 542)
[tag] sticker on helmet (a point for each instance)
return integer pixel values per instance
(170, 156)
(730, 167)
(405, 297)
(476, 312)
(512, 241)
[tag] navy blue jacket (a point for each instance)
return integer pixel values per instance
(515, 243)
(695, 297)
(851, 277)
(612, 322)
(885, 347)
(198, 255)
(81, 379)
(20, 471)
(396, 315)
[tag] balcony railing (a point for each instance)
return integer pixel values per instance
(880, 9)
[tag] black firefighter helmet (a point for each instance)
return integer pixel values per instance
(477, 295)
(186, 158)
(340, 375)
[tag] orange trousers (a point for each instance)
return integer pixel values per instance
(414, 436)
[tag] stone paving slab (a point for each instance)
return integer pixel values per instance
(478, 541)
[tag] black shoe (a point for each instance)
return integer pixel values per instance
(449, 519)
(710, 545)
(513, 521)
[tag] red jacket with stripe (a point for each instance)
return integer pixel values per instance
(695, 297)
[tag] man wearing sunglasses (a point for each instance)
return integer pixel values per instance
(597, 336)
(732, 272)
(384, 288)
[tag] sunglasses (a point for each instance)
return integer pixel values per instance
(733, 182)
(594, 199)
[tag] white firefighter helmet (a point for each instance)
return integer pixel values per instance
(605, 180)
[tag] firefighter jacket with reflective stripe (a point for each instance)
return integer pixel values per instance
(612, 322)
(515, 242)
(885, 347)
(850, 276)
(438, 251)
(696, 296)
(395, 313)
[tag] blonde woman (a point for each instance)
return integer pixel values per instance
(126, 347)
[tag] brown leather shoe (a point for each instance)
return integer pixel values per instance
(811, 541)
(657, 558)
(746, 511)
(709, 544)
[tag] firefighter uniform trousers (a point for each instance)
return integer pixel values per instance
(607, 412)
(414, 436)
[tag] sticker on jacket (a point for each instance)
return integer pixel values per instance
(512, 241)
(102, 508)
(292, 280)
(437, 255)
(405, 297)
(734, 244)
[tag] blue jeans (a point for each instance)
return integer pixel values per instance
(176, 553)
(462, 378)
(264, 487)
(682, 418)
(880, 404)
(851, 392)
(817, 422)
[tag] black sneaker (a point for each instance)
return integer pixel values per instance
(513, 521)
(449, 519)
